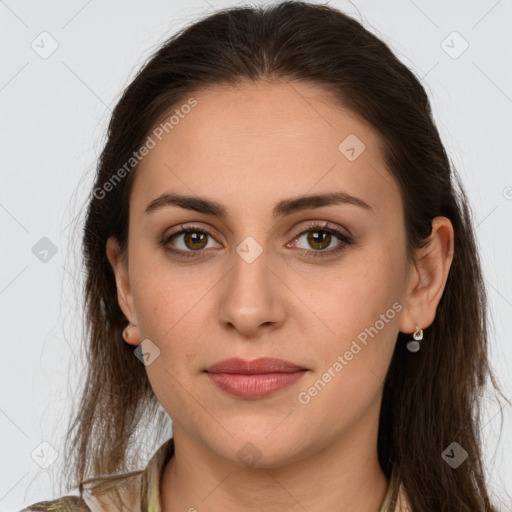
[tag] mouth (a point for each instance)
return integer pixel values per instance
(254, 379)
(257, 366)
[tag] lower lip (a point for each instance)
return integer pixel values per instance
(254, 385)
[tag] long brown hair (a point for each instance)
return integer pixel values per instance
(430, 399)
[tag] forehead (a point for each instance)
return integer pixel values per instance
(256, 143)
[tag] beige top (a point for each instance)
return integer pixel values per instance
(140, 491)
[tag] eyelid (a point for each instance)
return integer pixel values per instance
(323, 224)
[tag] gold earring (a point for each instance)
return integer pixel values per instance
(414, 344)
(126, 334)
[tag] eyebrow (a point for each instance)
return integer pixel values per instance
(283, 208)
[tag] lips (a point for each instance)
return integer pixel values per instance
(254, 379)
(255, 367)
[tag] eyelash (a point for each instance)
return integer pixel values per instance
(343, 238)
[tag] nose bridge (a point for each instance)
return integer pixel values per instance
(249, 280)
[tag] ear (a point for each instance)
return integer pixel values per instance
(120, 267)
(427, 277)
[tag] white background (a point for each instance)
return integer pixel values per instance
(54, 115)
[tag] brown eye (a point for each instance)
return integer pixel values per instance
(320, 237)
(195, 240)
(191, 239)
(187, 241)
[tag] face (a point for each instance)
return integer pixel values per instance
(322, 287)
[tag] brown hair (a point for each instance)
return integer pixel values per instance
(431, 399)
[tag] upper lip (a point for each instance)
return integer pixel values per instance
(256, 366)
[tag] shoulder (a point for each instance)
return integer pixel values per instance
(62, 504)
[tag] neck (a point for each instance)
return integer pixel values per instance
(344, 476)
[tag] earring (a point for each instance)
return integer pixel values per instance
(414, 345)
(126, 335)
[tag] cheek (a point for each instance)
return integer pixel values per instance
(356, 294)
(354, 355)
(171, 313)
(175, 311)
(357, 312)
(167, 297)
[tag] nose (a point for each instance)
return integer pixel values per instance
(252, 296)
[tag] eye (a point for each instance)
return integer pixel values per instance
(193, 240)
(321, 237)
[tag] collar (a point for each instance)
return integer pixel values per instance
(138, 490)
(396, 499)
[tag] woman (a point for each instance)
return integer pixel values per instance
(281, 257)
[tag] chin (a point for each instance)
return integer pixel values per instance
(260, 450)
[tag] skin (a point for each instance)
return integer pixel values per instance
(248, 148)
